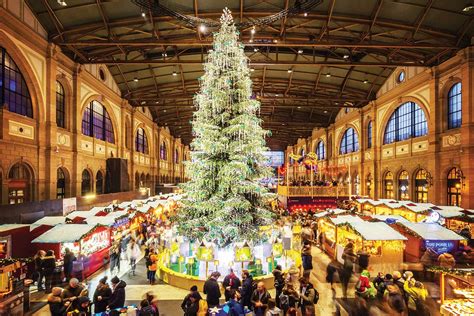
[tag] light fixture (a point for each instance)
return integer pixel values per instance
(366, 81)
(276, 94)
(250, 40)
(298, 107)
(328, 75)
(164, 54)
(255, 49)
(300, 51)
(468, 7)
(143, 14)
(325, 111)
(135, 79)
(143, 102)
(202, 28)
(290, 70)
(305, 14)
(174, 73)
(157, 102)
(252, 31)
(275, 41)
(252, 69)
(346, 56)
(62, 3)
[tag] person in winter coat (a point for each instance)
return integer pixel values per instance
(306, 294)
(197, 307)
(114, 255)
(69, 258)
(72, 291)
(153, 302)
(393, 296)
(231, 282)
(84, 306)
(307, 258)
(56, 305)
(235, 308)
(48, 264)
(349, 258)
(212, 290)
(133, 252)
(187, 299)
(446, 260)
(416, 297)
(145, 309)
(260, 299)
(117, 299)
(101, 296)
(246, 289)
(38, 275)
(279, 283)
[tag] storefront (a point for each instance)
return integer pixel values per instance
(457, 291)
(90, 244)
(328, 231)
(15, 241)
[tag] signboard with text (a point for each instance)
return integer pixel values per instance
(440, 246)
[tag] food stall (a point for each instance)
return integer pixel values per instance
(14, 291)
(121, 224)
(427, 235)
(15, 241)
(383, 244)
(90, 243)
(461, 222)
(456, 291)
(328, 230)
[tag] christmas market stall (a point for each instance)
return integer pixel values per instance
(389, 219)
(46, 223)
(427, 236)
(90, 244)
(460, 221)
(328, 230)
(414, 212)
(383, 244)
(456, 291)
(121, 224)
(14, 288)
(80, 216)
(15, 241)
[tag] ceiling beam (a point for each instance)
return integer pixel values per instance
(165, 98)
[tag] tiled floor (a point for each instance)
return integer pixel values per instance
(170, 297)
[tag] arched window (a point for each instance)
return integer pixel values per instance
(13, 89)
(454, 187)
(163, 152)
(320, 152)
(141, 141)
(349, 142)
(176, 156)
(99, 183)
(388, 185)
(369, 135)
(96, 122)
(454, 106)
(86, 182)
(60, 184)
(403, 186)
(407, 121)
(19, 184)
(421, 186)
(60, 106)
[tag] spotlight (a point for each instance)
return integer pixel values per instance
(202, 28)
(255, 49)
(174, 73)
(328, 75)
(468, 7)
(252, 31)
(143, 14)
(290, 70)
(305, 14)
(346, 56)
(135, 79)
(62, 3)
(300, 51)
(366, 81)
(252, 69)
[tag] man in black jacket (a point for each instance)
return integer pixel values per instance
(247, 288)
(117, 299)
(212, 290)
(231, 282)
(48, 264)
(187, 299)
(259, 299)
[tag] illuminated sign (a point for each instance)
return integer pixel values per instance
(440, 246)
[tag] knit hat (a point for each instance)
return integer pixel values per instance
(115, 280)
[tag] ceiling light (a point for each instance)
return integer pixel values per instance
(252, 69)
(62, 3)
(298, 107)
(468, 7)
(346, 56)
(275, 41)
(143, 14)
(202, 28)
(174, 73)
(251, 41)
(325, 111)
(252, 31)
(164, 111)
(366, 81)
(164, 54)
(157, 102)
(143, 102)
(255, 49)
(290, 70)
(135, 79)
(328, 75)
(300, 51)
(305, 14)
(276, 94)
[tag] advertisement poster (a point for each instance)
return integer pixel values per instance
(69, 205)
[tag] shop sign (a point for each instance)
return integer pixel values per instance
(121, 222)
(440, 246)
(69, 205)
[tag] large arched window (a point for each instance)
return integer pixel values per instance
(454, 106)
(407, 121)
(60, 105)
(388, 185)
(404, 186)
(369, 135)
(349, 142)
(141, 141)
(60, 184)
(86, 182)
(163, 151)
(13, 90)
(99, 183)
(320, 152)
(421, 186)
(454, 187)
(20, 184)
(96, 122)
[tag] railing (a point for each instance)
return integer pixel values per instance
(313, 191)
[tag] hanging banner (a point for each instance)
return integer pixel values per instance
(69, 205)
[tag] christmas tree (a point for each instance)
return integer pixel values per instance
(224, 199)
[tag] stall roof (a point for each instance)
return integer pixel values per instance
(432, 231)
(376, 231)
(64, 233)
(49, 221)
(117, 214)
(446, 208)
(144, 208)
(335, 211)
(341, 219)
(370, 201)
(449, 213)
(7, 227)
(101, 220)
(82, 214)
(418, 207)
(398, 218)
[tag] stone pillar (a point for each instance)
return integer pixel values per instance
(76, 113)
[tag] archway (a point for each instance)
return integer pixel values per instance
(20, 183)
(86, 183)
(99, 183)
(454, 186)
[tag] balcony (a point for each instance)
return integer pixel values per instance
(312, 191)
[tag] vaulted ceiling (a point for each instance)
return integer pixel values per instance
(307, 64)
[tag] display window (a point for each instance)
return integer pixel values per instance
(95, 242)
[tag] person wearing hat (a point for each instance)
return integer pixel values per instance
(101, 296)
(212, 290)
(56, 305)
(187, 299)
(84, 306)
(117, 299)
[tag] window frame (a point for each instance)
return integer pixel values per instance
(407, 121)
(60, 105)
(454, 100)
(320, 150)
(141, 141)
(369, 134)
(84, 192)
(349, 142)
(98, 126)
(60, 184)
(453, 194)
(388, 185)
(421, 186)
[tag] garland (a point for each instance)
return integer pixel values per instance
(8, 261)
(458, 271)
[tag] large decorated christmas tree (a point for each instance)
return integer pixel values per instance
(225, 202)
